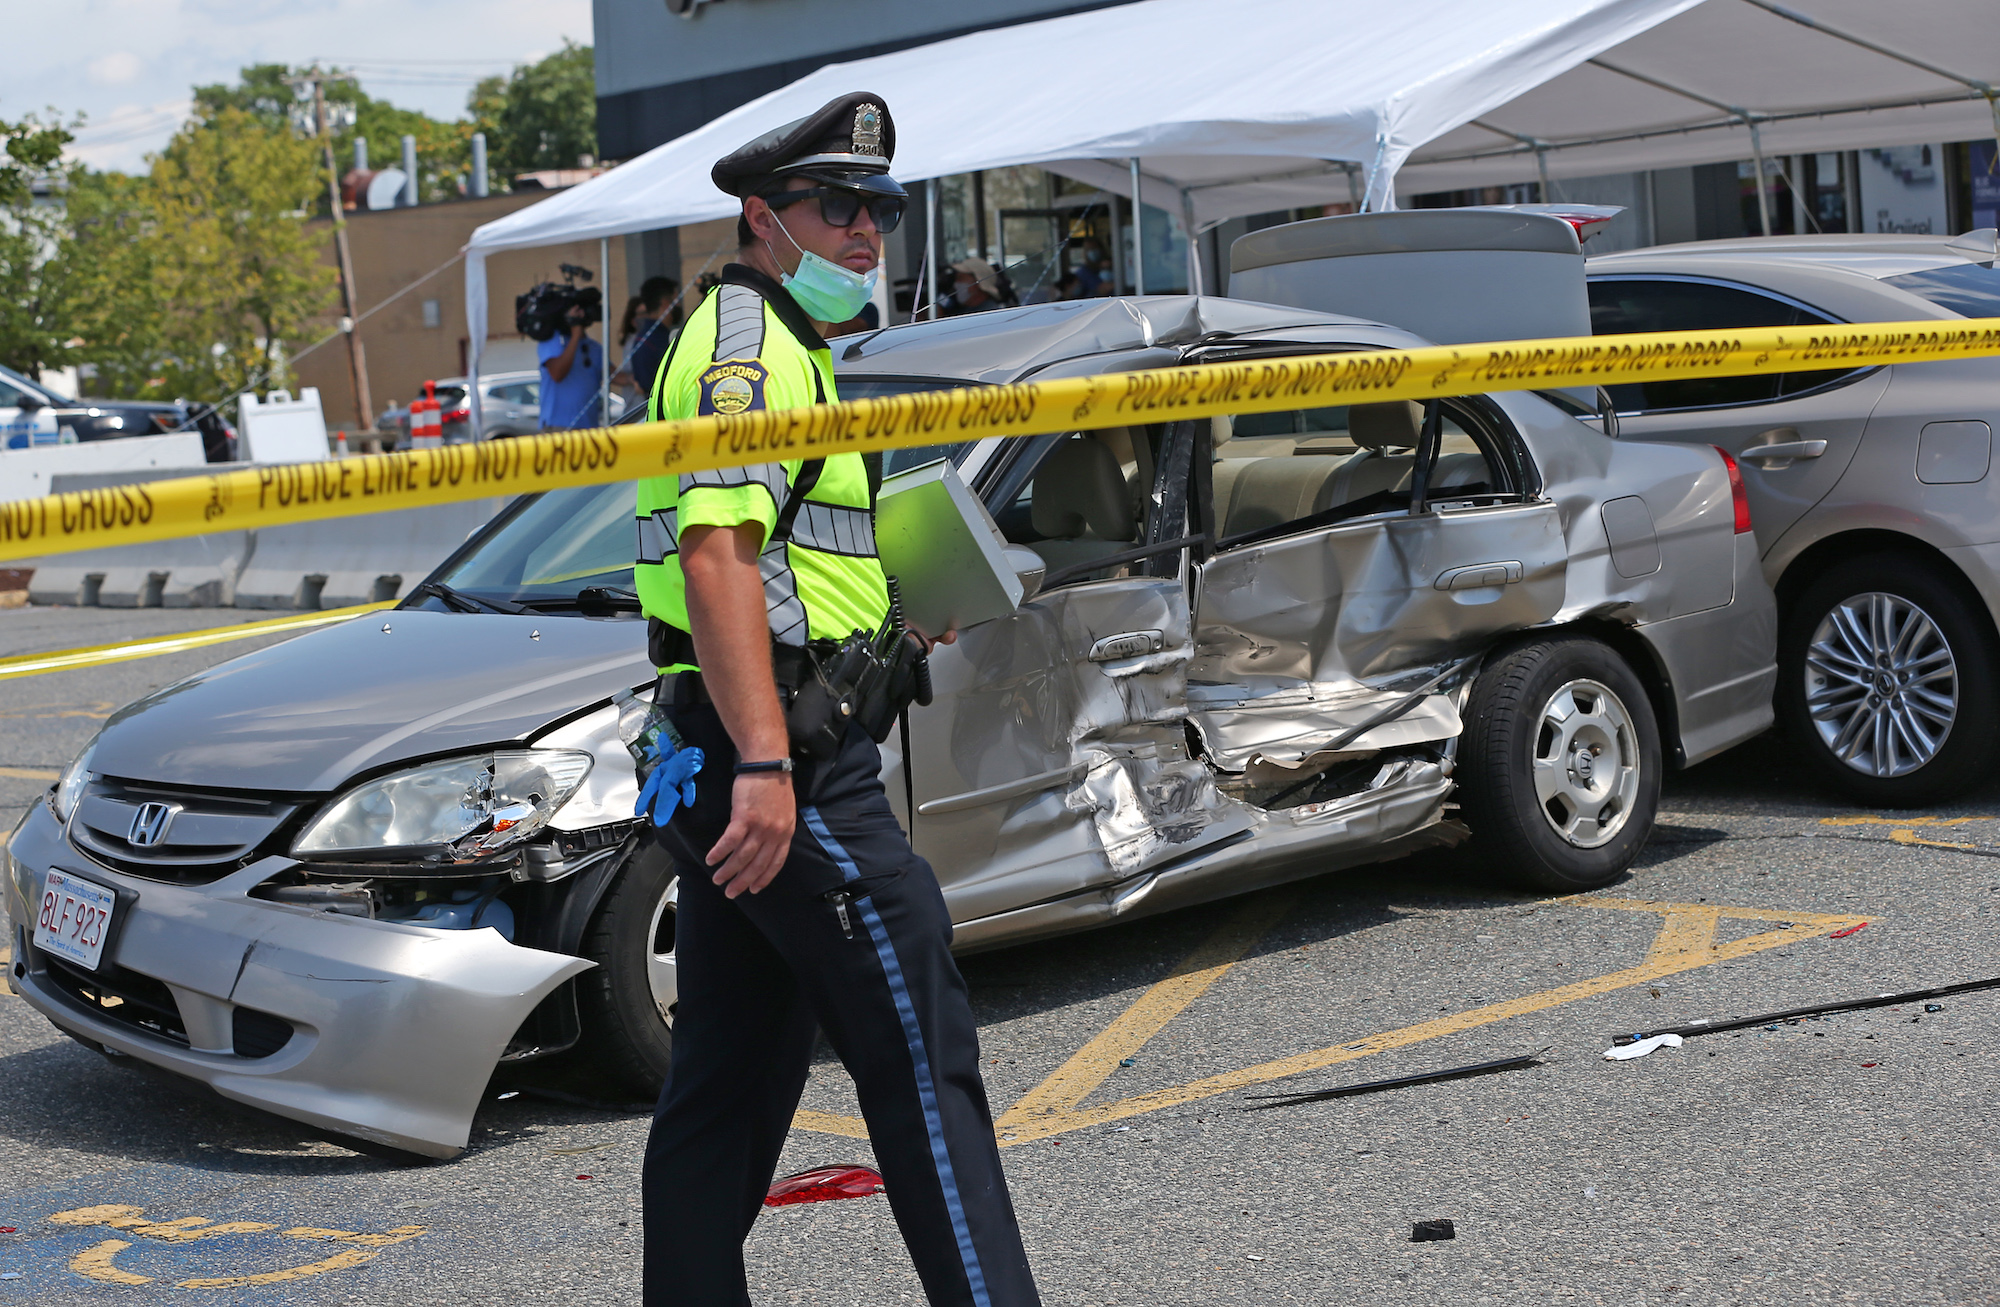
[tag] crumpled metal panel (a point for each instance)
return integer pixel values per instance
(1296, 636)
(1146, 804)
(1289, 734)
(1018, 702)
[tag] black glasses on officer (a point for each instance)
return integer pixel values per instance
(838, 205)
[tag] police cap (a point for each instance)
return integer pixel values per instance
(847, 142)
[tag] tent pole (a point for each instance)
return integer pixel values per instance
(1763, 200)
(931, 254)
(604, 353)
(1194, 250)
(1117, 244)
(1138, 235)
(1542, 170)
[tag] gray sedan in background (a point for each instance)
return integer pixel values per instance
(1870, 489)
(1255, 648)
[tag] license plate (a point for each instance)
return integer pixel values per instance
(74, 919)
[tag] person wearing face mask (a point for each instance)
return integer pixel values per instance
(802, 907)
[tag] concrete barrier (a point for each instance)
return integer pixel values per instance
(195, 572)
(312, 565)
(354, 560)
(198, 572)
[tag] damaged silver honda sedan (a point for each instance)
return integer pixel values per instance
(344, 877)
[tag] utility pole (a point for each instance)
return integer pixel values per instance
(357, 358)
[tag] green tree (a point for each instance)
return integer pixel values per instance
(118, 306)
(240, 274)
(543, 115)
(35, 273)
(277, 97)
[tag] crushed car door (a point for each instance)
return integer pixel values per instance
(1054, 757)
(1360, 552)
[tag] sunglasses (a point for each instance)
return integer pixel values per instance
(839, 206)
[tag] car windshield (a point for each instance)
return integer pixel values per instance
(1969, 289)
(556, 544)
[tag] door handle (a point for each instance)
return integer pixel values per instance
(1782, 445)
(1129, 644)
(1479, 575)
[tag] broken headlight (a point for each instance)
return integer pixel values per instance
(455, 811)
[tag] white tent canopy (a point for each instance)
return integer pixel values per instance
(1732, 79)
(1242, 108)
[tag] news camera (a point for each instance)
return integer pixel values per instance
(544, 310)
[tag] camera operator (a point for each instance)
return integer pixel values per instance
(571, 366)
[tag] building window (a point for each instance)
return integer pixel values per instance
(433, 316)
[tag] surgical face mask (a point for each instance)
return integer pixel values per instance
(824, 289)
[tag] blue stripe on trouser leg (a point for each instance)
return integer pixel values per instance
(913, 1033)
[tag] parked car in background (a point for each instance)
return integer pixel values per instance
(511, 405)
(348, 874)
(31, 413)
(1871, 489)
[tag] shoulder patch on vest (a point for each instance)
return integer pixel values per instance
(731, 388)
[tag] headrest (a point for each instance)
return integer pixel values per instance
(1079, 489)
(1395, 425)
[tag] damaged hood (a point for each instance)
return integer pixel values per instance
(305, 716)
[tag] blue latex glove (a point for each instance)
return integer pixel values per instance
(669, 785)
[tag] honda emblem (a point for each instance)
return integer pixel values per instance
(149, 824)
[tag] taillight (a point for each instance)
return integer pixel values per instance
(1739, 496)
(458, 415)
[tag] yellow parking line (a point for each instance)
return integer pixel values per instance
(1094, 1062)
(1685, 942)
(96, 655)
(29, 773)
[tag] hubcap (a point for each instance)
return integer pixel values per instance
(662, 974)
(1586, 764)
(1881, 684)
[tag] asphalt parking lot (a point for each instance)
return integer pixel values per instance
(1844, 1159)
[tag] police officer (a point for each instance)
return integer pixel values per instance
(802, 906)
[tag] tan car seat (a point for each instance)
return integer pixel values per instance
(1079, 504)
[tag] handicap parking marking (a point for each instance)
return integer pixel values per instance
(148, 1237)
(1684, 942)
(100, 1261)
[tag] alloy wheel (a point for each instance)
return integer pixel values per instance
(1881, 684)
(1586, 763)
(662, 972)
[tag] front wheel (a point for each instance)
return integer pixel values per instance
(1886, 680)
(628, 1001)
(1559, 766)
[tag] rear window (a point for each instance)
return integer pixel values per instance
(1969, 289)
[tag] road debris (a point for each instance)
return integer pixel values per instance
(1933, 1007)
(1430, 1231)
(1641, 1048)
(823, 1184)
(1398, 1082)
(1851, 930)
(1710, 1027)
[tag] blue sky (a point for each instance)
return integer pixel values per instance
(128, 65)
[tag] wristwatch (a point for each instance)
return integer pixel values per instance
(774, 764)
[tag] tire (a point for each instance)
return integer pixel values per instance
(627, 1000)
(1544, 823)
(1921, 728)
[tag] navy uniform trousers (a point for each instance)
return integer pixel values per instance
(759, 974)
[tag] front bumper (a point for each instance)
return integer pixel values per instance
(395, 1028)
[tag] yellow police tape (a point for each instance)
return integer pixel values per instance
(373, 483)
